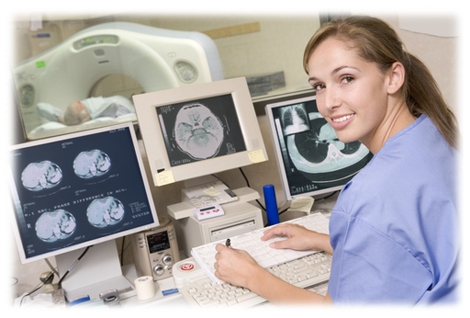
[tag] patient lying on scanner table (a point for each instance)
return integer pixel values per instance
(79, 112)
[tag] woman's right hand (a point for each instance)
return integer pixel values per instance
(298, 238)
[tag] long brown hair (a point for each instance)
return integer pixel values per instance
(377, 42)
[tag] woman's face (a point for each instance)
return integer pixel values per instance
(351, 92)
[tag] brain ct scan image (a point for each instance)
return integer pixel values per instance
(42, 175)
(105, 211)
(56, 225)
(89, 164)
(198, 131)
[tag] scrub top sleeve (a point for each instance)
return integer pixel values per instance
(368, 267)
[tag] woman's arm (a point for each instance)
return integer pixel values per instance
(239, 268)
(298, 238)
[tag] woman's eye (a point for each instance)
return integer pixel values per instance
(318, 87)
(347, 79)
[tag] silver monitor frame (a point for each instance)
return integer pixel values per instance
(153, 139)
(16, 205)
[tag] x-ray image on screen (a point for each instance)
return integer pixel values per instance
(313, 156)
(42, 175)
(78, 189)
(93, 163)
(201, 129)
(105, 211)
(55, 225)
(294, 119)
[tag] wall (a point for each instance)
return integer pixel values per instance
(444, 57)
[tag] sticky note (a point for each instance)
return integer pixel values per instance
(303, 204)
(211, 191)
(257, 156)
(40, 64)
(165, 177)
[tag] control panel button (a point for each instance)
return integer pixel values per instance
(167, 259)
(159, 270)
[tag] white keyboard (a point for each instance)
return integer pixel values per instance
(303, 272)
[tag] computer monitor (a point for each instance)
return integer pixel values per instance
(73, 191)
(198, 130)
(311, 159)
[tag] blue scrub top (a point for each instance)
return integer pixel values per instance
(394, 229)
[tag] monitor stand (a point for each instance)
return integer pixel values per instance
(98, 271)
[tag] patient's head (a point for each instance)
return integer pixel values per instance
(75, 114)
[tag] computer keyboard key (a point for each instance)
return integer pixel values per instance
(205, 293)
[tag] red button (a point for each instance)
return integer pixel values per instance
(187, 267)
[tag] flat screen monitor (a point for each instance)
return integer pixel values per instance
(198, 130)
(311, 159)
(77, 190)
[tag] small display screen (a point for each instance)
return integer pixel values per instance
(202, 129)
(207, 209)
(158, 242)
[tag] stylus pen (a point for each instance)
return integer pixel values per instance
(227, 243)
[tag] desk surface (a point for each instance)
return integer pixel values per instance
(168, 283)
(175, 303)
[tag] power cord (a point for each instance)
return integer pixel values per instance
(32, 292)
(73, 265)
(248, 184)
(51, 267)
(122, 250)
(11, 285)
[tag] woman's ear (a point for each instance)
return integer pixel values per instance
(396, 77)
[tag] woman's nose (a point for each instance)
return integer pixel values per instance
(331, 100)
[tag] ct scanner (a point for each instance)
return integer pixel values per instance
(156, 58)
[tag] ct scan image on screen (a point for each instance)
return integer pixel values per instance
(76, 190)
(313, 156)
(202, 129)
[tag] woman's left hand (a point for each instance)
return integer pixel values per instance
(235, 266)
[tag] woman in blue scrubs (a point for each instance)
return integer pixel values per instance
(394, 228)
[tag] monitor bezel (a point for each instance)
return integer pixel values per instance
(12, 186)
(152, 135)
(277, 150)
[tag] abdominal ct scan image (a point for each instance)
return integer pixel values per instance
(42, 175)
(104, 212)
(93, 163)
(56, 225)
(199, 133)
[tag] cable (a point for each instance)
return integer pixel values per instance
(31, 292)
(73, 265)
(11, 285)
(248, 184)
(328, 196)
(51, 267)
(122, 250)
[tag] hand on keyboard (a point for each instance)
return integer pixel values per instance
(298, 238)
(304, 272)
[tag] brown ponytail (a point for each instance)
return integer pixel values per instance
(377, 42)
